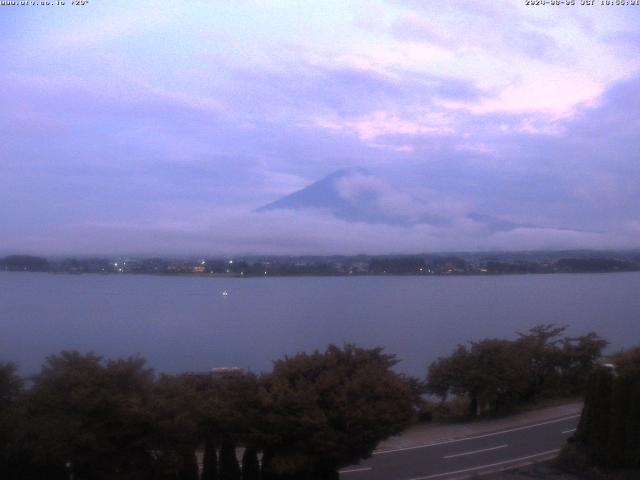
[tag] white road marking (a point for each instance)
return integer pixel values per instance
(517, 429)
(476, 451)
(569, 431)
(353, 470)
(481, 467)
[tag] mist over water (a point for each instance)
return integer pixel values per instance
(185, 324)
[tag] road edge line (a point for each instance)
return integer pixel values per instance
(475, 437)
(482, 467)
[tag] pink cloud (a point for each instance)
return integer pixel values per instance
(380, 123)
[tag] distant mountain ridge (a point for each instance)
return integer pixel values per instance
(355, 195)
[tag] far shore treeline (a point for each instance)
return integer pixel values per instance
(339, 265)
(85, 417)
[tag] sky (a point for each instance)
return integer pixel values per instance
(160, 127)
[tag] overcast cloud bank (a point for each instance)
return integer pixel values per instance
(161, 128)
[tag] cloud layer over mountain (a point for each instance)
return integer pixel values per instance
(162, 127)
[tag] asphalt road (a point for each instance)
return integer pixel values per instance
(467, 456)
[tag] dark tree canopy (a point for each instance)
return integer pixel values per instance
(177, 416)
(491, 372)
(229, 468)
(609, 429)
(231, 406)
(495, 374)
(330, 409)
(10, 395)
(209, 460)
(91, 416)
(250, 464)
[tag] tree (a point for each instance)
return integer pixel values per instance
(624, 443)
(491, 373)
(540, 346)
(498, 374)
(559, 365)
(11, 392)
(609, 429)
(323, 411)
(445, 374)
(92, 419)
(579, 355)
(250, 465)
(593, 428)
(188, 466)
(210, 460)
(627, 363)
(266, 469)
(177, 414)
(229, 468)
(229, 416)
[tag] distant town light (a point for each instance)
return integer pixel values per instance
(230, 262)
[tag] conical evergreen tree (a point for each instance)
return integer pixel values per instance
(628, 374)
(250, 465)
(267, 473)
(593, 429)
(609, 429)
(632, 447)
(618, 421)
(229, 468)
(210, 461)
(189, 467)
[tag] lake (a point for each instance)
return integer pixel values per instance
(186, 324)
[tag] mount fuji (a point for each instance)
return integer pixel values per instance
(355, 195)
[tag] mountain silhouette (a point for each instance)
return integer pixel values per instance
(326, 195)
(355, 195)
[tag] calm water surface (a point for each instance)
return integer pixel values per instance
(184, 323)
